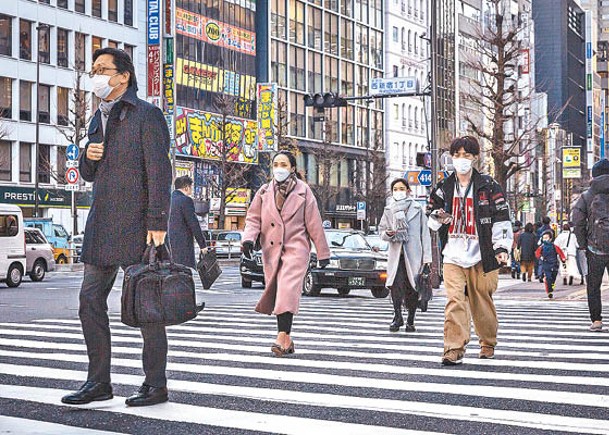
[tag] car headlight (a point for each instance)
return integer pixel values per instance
(380, 265)
(334, 264)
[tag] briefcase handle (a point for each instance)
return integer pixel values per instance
(153, 255)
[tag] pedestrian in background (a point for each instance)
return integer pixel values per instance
(285, 215)
(404, 226)
(472, 217)
(515, 252)
(184, 226)
(543, 226)
(527, 245)
(590, 217)
(127, 160)
(549, 255)
(567, 242)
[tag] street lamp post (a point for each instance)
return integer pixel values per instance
(36, 145)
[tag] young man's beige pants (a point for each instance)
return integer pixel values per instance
(477, 304)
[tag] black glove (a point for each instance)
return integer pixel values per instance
(324, 263)
(248, 249)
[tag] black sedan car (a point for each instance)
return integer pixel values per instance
(353, 265)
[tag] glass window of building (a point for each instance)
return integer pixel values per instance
(314, 29)
(96, 8)
(331, 33)
(113, 10)
(297, 68)
(278, 62)
(395, 33)
(297, 114)
(6, 160)
(278, 18)
(6, 97)
(6, 32)
(112, 44)
(347, 137)
(63, 102)
(25, 101)
(25, 40)
(62, 47)
(79, 6)
(129, 50)
(296, 22)
(63, 4)
(96, 43)
(61, 165)
(331, 73)
(346, 78)
(25, 162)
(376, 48)
(346, 7)
(43, 170)
(346, 38)
(128, 12)
(45, 1)
(80, 51)
(44, 105)
(315, 72)
(44, 45)
(331, 4)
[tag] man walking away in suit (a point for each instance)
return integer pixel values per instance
(183, 224)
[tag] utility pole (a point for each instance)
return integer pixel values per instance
(435, 167)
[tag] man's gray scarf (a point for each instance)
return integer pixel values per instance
(105, 107)
(399, 211)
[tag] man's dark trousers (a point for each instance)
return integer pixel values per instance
(93, 312)
(597, 264)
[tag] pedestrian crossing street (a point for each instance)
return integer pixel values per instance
(349, 375)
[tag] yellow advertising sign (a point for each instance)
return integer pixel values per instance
(571, 157)
(213, 79)
(239, 196)
(267, 107)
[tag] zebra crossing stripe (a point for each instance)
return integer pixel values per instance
(13, 425)
(179, 412)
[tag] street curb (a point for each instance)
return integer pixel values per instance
(72, 267)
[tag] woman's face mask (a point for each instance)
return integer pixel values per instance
(281, 174)
(399, 195)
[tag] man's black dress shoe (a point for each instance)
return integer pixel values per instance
(89, 392)
(148, 395)
(395, 325)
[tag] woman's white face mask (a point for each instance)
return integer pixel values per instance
(399, 195)
(281, 174)
(462, 165)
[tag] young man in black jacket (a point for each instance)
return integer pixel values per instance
(471, 215)
(590, 217)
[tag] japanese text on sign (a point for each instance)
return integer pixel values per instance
(154, 71)
(267, 109)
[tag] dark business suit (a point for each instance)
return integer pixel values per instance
(131, 195)
(183, 228)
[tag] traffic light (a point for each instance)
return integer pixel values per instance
(322, 101)
(424, 160)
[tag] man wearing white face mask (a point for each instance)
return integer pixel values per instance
(127, 160)
(471, 214)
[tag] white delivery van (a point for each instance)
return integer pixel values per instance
(12, 245)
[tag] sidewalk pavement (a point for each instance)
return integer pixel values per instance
(510, 288)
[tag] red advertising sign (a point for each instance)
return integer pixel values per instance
(168, 15)
(154, 71)
(526, 61)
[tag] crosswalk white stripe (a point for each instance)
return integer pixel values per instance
(308, 363)
(489, 391)
(14, 425)
(546, 365)
(270, 423)
(385, 338)
(423, 409)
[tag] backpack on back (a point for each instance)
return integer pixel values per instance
(598, 223)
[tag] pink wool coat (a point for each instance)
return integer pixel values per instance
(286, 243)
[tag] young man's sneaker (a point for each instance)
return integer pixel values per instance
(597, 326)
(550, 295)
(487, 352)
(452, 358)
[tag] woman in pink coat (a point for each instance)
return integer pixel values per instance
(285, 215)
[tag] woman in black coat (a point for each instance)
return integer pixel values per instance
(527, 244)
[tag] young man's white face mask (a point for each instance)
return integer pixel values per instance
(462, 165)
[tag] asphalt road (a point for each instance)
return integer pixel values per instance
(349, 375)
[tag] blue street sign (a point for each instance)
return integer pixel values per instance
(361, 206)
(72, 152)
(424, 178)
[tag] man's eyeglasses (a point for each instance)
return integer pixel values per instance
(100, 71)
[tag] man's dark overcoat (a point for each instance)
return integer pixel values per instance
(183, 228)
(131, 183)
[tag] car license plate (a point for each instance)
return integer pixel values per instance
(356, 280)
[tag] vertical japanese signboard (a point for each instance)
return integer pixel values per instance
(589, 91)
(153, 33)
(267, 111)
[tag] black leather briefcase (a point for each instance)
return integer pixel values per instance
(208, 268)
(158, 291)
